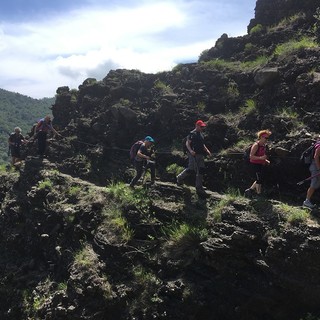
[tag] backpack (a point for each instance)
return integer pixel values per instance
(134, 149)
(246, 153)
(184, 141)
(308, 154)
(184, 147)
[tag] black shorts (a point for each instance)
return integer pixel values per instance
(15, 152)
(258, 171)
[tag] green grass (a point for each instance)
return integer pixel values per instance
(294, 214)
(293, 45)
(74, 191)
(256, 29)
(259, 61)
(287, 113)
(286, 21)
(161, 86)
(45, 184)
(178, 233)
(174, 169)
(233, 90)
(248, 107)
(85, 257)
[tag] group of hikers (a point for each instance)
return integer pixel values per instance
(142, 152)
(40, 132)
(197, 150)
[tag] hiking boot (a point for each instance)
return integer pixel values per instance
(248, 193)
(307, 203)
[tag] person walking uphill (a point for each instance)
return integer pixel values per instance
(43, 127)
(258, 162)
(196, 150)
(314, 169)
(142, 161)
(15, 140)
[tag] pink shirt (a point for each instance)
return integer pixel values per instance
(261, 151)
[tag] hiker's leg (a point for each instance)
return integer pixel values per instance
(186, 172)
(200, 167)
(310, 192)
(314, 184)
(259, 178)
(42, 140)
(152, 167)
(139, 169)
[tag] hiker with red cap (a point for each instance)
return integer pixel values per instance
(196, 150)
(258, 162)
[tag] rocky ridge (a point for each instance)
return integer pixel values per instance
(77, 243)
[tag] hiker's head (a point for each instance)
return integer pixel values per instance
(47, 118)
(200, 125)
(17, 130)
(264, 134)
(148, 141)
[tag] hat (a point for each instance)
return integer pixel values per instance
(200, 123)
(148, 138)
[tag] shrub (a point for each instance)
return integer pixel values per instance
(256, 29)
(248, 107)
(174, 169)
(45, 184)
(233, 90)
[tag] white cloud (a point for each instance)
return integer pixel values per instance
(37, 57)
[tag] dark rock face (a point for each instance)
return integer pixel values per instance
(271, 12)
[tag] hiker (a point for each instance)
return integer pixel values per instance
(43, 127)
(258, 162)
(314, 169)
(196, 150)
(142, 161)
(15, 140)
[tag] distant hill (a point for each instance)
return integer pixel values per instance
(19, 110)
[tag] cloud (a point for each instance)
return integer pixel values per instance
(65, 47)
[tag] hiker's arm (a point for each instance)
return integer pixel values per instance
(143, 156)
(317, 158)
(188, 145)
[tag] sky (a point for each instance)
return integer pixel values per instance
(46, 44)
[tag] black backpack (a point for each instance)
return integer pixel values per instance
(308, 154)
(184, 147)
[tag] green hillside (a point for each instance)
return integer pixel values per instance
(19, 110)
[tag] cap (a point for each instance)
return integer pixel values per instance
(148, 138)
(200, 123)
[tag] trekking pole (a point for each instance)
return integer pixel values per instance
(309, 178)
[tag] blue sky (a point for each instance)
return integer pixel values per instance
(46, 44)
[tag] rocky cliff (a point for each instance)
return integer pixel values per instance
(77, 243)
